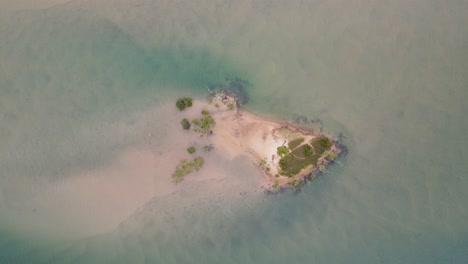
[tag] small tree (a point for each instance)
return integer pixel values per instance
(185, 124)
(183, 103)
(191, 150)
(307, 150)
(282, 151)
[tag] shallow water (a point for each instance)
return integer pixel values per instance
(87, 140)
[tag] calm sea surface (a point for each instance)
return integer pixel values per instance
(87, 136)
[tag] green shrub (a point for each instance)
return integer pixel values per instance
(282, 151)
(262, 163)
(321, 144)
(203, 125)
(208, 148)
(308, 150)
(332, 156)
(183, 103)
(205, 112)
(296, 183)
(196, 122)
(283, 164)
(186, 167)
(322, 168)
(185, 124)
(191, 150)
(199, 161)
(207, 122)
(188, 101)
(230, 106)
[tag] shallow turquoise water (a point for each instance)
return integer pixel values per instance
(390, 76)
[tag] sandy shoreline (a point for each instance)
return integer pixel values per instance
(238, 133)
(103, 196)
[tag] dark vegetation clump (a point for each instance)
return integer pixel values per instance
(282, 151)
(185, 124)
(321, 144)
(183, 103)
(203, 125)
(205, 112)
(191, 150)
(308, 150)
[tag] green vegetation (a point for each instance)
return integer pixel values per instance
(205, 112)
(283, 163)
(282, 151)
(308, 150)
(185, 124)
(303, 155)
(204, 124)
(191, 150)
(230, 106)
(295, 143)
(331, 156)
(208, 148)
(183, 103)
(322, 168)
(217, 105)
(321, 144)
(199, 161)
(295, 184)
(264, 165)
(196, 122)
(186, 167)
(291, 165)
(276, 185)
(303, 151)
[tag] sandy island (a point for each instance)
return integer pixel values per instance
(287, 156)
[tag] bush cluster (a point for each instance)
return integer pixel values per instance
(191, 150)
(282, 151)
(185, 124)
(204, 124)
(186, 167)
(183, 103)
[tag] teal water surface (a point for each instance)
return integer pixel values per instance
(391, 77)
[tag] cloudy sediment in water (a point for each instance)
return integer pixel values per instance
(88, 139)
